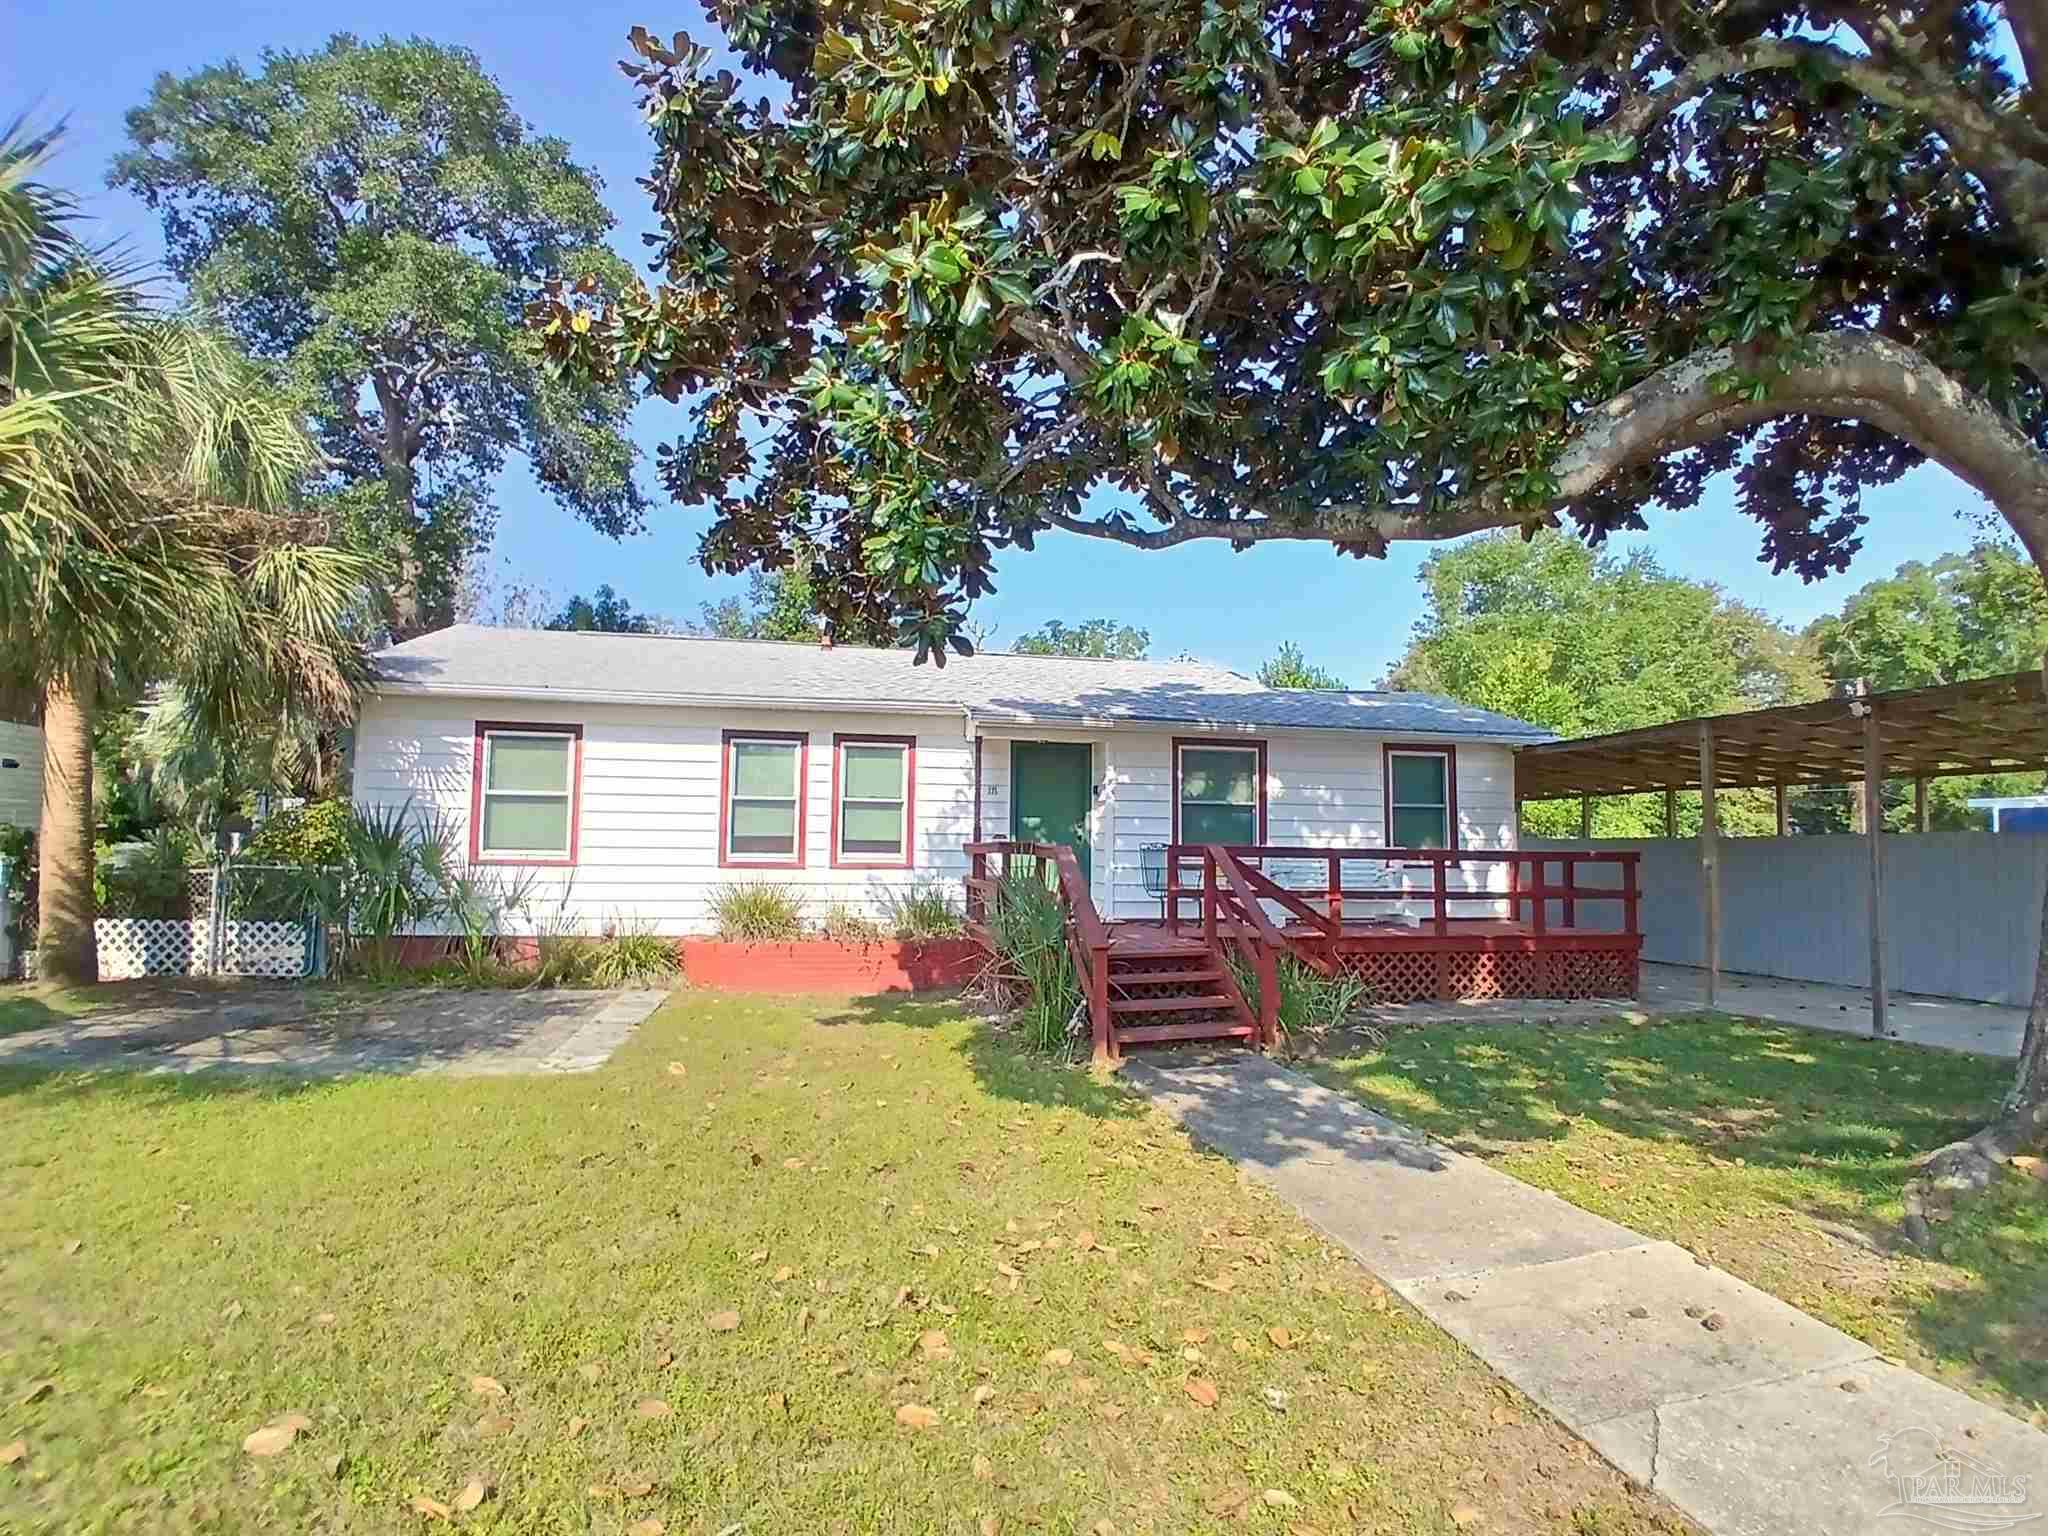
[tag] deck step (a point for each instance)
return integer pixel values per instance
(1119, 978)
(1154, 1034)
(1170, 1004)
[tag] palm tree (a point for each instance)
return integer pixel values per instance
(146, 526)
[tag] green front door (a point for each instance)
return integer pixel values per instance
(1050, 792)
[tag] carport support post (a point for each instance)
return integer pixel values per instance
(1585, 818)
(1873, 824)
(1778, 796)
(1671, 813)
(1919, 805)
(1710, 862)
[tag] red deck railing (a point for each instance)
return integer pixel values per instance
(1529, 884)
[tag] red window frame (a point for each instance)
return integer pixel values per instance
(802, 742)
(483, 728)
(1388, 751)
(1255, 744)
(861, 739)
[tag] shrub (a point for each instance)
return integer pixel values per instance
(147, 879)
(843, 924)
(315, 833)
(758, 914)
(1028, 932)
(633, 955)
(1309, 1003)
(925, 911)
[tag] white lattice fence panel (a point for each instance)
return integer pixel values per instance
(263, 949)
(149, 946)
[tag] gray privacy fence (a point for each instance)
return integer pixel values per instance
(1962, 909)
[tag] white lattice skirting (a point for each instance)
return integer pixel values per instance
(150, 946)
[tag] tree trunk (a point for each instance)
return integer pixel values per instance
(1963, 1167)
(66, 953)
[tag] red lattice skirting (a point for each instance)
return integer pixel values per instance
(1462, 975)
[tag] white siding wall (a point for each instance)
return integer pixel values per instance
(1322, 791)
(21, 788)
(648, 844)
(649, 828)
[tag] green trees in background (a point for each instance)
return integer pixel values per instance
(1089, 637)
(1967, 615)
(147, 529)
(367, 218)
(607, 612)
(1288, 668)
(1552, 631)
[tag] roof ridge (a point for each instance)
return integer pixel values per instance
(811, 645)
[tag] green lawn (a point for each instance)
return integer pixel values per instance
(33, 1007)
(718, 1285)
(1777, 1152)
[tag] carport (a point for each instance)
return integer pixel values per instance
(1988, 725)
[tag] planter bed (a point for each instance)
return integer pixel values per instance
(824, 965)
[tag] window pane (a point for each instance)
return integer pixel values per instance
(766, 768)
(871, 773)
(525, 824)
(1231, 824)
(527, 762)
(763, 826)
(1419, 827)
(870, 828)
(1214, 775)
(1419, 781)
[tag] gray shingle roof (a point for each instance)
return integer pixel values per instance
(540, 664)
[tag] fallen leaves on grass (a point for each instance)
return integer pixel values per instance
(648, 1527)
(917, 1416)
(1202, 1390)
(933, 1346)
(486, 1386)
(723, 1322)
(276, 1436)
(1281, 1338)
(38, 1391)
(653, 1408)
(1061, 1357)
(13, 1451)
(433, 1509)
(474, 1492)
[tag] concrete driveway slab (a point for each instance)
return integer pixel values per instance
(318, 1031)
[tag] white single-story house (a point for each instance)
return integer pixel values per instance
(638, 773)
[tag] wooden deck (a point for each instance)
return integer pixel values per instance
(1214, 976)
(1475, 958)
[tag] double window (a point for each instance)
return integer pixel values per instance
(524, 793)
(1220, 793)
(873, 800)
(761, 817)
(1421, 798)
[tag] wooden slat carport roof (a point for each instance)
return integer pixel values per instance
(1988, 725)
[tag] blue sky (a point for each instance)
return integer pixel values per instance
(91, 60)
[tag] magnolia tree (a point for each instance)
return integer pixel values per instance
(1393, 269)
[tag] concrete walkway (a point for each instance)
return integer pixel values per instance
(1744, 1412)
(319, 1031)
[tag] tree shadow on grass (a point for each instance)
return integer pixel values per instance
(1846, 1118)
(54, 1087)
(1002, 1060)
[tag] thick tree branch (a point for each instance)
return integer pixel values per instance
(1847, 376)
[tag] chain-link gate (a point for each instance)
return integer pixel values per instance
(246, 920)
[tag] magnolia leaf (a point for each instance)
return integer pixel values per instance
(276, 1436)
(474, 1492)
(1201, 1390)
(917, 1416)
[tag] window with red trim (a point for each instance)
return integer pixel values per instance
(874, 798)
(523, 793)
(761, 818)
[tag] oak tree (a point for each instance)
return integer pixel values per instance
(1351, 271)
(369, 217)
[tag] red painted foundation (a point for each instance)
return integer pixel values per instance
(821, 965)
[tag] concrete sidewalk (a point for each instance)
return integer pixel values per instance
(1744, 1412)
(1947, 1023)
